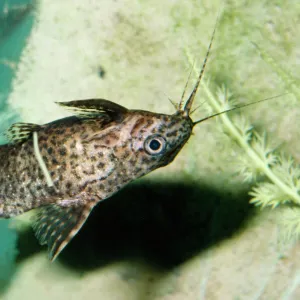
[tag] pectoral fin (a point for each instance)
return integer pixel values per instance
(56, 225)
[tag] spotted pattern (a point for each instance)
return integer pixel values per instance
(88, 159)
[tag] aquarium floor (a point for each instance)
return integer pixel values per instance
(246, 266)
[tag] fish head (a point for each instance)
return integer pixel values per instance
(156, 139)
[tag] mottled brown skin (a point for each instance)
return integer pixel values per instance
(95, 157)
(89, 158)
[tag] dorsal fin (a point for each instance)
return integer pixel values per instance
(94, 107)
(20, 132)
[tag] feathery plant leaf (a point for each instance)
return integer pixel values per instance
(290, 225)
(282, 175)
(268, 194)
(288, 80)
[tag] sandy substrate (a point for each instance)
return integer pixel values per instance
(247, 266)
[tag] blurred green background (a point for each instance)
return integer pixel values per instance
(16, 20)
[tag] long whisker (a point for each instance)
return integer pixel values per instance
(185, 87)
(237, 107)
(189, 102)
(172, 101)
(196, 108)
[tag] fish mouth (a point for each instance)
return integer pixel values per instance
(173, 153)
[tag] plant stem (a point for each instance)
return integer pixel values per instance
(234, 132)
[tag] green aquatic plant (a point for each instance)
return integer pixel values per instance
(279, 175)
(289, 82)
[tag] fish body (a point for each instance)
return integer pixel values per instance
(89, 157)
(96, 156)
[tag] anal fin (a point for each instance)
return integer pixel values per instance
(56, 225)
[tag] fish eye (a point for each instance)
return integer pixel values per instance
(155, 144)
